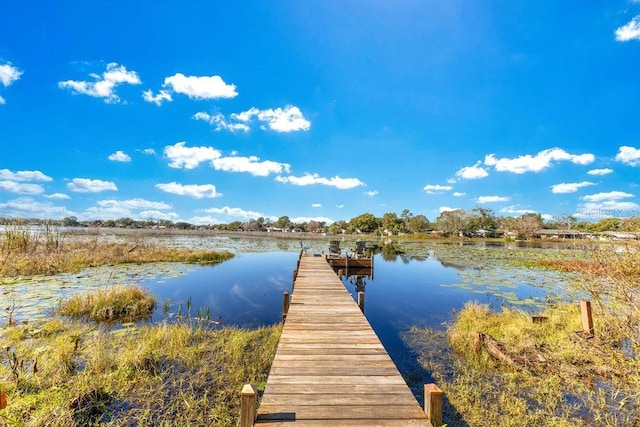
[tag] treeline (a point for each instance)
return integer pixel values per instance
(478, 222)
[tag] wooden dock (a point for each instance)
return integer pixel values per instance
(330, 368)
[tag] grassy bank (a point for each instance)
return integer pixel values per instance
(26, 252)
(546, 374)
(64, 373)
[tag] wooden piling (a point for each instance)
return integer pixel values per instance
(587, 318)
(285, 304)
(340, 273)
(248, 404)
(433, 404)
(361, 300)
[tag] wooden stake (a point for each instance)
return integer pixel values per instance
(248, 403)
(285, 304)
(361, 300)
(433, 404)
(587, 318)
(340, 273)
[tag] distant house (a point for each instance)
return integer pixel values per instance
(560, 234)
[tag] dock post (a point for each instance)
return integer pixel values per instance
(361, 300)
(248, 404)
(340, 273)
(285, 304)
(587, 318)
(433, 404)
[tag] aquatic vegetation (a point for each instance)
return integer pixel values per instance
(25, 251)
(114, 304)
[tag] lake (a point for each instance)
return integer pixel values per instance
(418, 284)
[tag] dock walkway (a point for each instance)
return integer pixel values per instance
(330, 368)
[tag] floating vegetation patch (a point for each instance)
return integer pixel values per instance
(35, 297)
(115, 304)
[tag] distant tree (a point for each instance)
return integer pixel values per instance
(453, 223)
(391, 223)
(482, 219)
(283, 222)
(418, 224)
(315, 226)
(183, 225)
(631, 224)
(365, 223)
(337, 227)
(608, 224)
(528, 224)
(70, 221)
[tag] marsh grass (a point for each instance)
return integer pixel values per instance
(25, 251)
(557, 378)
(113, 304)
(72, 373)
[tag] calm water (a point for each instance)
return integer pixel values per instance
(422, 289)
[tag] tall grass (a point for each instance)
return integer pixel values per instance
(25, 251)
(169, 374)
(555, 378)
(119, 303)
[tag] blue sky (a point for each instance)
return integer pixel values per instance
(210, 111)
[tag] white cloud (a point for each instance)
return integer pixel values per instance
(148, 151)
(26, 207)
(252, 165)
(339, 206)
(569, 187)
(472, 172)
(630, 31)
(516, 210)
(629, 156)
(195, 191)
(200, 87)
(24, 176)
(138, 208)
(611, 195)
(182, 157)
(103, 86)
(604, 171)
(493, 199)
(120, 156)
(307, 219)
(447, 209)
(312, 179)
(134, 204)
(219, 121)
(83, 185)
(371, 193)
(316, 205)
(537, 163)
(459, 194)
(437, 189)
(158, 98)
(157, 215)
(9, 74)
(605, 205)
(236, 213)
(57, 196)
(204, 220)
(289, 119)
(21, 187)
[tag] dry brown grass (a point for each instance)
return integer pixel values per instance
(24, 252)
